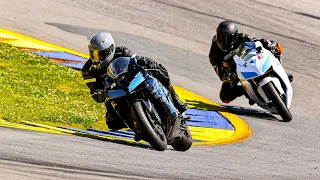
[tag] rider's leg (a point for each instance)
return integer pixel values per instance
(230, 92)
(162, 75)
(182, 107)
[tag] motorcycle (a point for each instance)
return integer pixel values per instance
(264, 78)
(145, 105)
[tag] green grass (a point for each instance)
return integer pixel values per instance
(36, 89)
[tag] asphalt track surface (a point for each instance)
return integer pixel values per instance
(178, 34)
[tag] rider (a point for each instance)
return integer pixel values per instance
(102, 51)
(223, 48)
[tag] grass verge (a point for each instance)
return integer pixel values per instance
(35, 89)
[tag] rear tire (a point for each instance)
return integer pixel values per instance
(151, 131)
(273, 95)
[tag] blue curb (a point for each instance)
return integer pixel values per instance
(209, 119)
(61, 55)
(72, 65)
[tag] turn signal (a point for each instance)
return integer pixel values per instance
(280, 48)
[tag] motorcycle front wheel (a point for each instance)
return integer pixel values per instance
(151, 131)
(280, 105)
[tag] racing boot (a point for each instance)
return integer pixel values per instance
(290, 77)
(113, 121)
(251, 102)
(137, 137)
(180, 137)
(181, 107)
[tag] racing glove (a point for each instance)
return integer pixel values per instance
(276, 49)
(99, 95)
(229, 77)
(273, 47)
(225, 75)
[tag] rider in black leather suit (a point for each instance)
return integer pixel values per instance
(102, 51)
(223, 47)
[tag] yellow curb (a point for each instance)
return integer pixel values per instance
(4, 123)
(242, 131)
(57, 48)
(47, 127)
(209, 136)
(22, 43)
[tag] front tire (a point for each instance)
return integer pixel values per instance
(273, 95)
(151, 131)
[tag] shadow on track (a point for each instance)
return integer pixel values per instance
(242, 111)
(110, 139)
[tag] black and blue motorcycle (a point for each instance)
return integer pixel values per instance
(145, 105)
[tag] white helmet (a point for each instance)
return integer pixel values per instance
(101, 48)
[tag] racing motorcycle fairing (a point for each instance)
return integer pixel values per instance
(256, 66)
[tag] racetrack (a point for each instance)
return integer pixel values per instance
(178, 34)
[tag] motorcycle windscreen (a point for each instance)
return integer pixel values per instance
(247, 50)
(118, 67)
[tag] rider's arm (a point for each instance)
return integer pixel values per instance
(156, 69)
(123, 51)
(245, 37)
(223, 72)
(93, 83)
(216, 57)
(149, 63)
(270, 45)
(146, 62)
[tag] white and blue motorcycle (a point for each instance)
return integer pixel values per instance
(264, 79)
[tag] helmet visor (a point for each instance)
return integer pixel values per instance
(97, 56)
(225, 41)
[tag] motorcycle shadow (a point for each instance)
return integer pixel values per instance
(238, 110)
(129, 141)
(122, 137)
(250, 112)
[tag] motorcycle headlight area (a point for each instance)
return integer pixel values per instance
(248, 75)
(124, 79)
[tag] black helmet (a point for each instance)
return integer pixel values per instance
(227, 34)
(101, 48)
